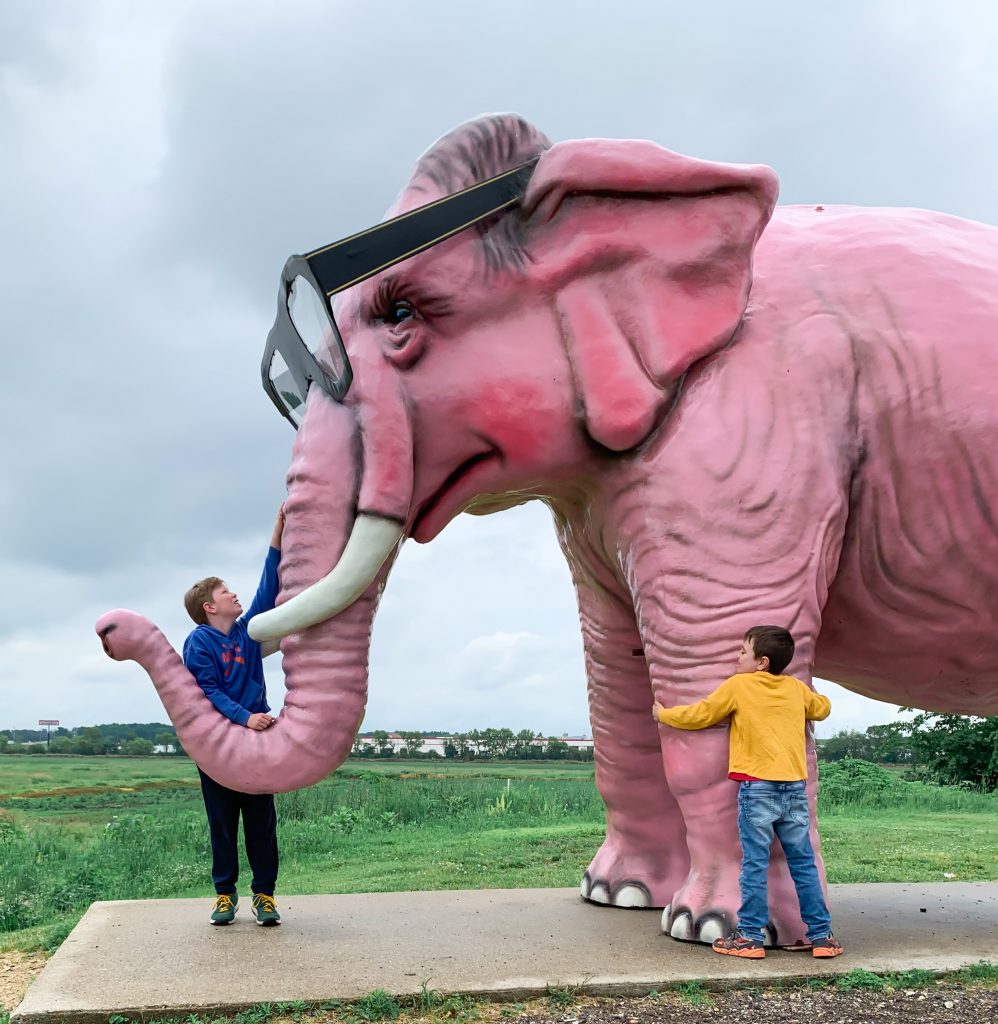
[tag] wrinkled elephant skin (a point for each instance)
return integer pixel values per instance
(735, 415)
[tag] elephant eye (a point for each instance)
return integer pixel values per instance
(399, 311)
(395, 304)
(404, 340)
(390, 308)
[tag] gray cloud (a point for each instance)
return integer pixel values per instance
(160, 163)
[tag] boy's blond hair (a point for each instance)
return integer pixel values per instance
(200, 594)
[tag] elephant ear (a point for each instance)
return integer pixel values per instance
(647, 255)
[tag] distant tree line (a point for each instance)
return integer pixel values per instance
(134, 739)
(953, 750)
(477, 745)
(138, 739)
(947, 749)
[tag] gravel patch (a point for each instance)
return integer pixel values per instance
(939, 1004)
(17, 971)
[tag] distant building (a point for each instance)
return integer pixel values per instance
(436, 744)
(577, 742)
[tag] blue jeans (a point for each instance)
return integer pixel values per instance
(780, 807)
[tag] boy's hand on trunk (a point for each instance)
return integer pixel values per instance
(275, 539)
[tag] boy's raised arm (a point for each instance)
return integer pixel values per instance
(704, 713)
(275, 537)
(266, 592)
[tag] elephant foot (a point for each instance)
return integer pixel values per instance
(634, 880)
(706, 906)
(701, 913)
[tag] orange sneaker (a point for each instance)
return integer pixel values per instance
(822, 949)
(737, 944)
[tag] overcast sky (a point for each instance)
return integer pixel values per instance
(159, 162)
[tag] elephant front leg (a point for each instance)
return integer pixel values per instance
(643, 858)
(706, 905)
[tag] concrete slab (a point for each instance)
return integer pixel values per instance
(161, 958)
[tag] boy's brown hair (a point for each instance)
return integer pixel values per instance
(198, 595)
(773, 642)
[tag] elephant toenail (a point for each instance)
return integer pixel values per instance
(631, 894)
(712, 926)
(682, 927)
(599, 893)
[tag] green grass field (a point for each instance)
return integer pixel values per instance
(74, 830)
(21, 773)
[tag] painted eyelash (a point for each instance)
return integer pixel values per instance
(390, 292)
(384, 299)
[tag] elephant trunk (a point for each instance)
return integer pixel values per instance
(315, 731)
(349, 491)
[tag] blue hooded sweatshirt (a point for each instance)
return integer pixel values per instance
(229, 666)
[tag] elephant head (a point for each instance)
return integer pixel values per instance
(500, 365)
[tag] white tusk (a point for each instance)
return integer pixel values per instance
(371, 541)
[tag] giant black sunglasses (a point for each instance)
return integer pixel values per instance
(304, 345)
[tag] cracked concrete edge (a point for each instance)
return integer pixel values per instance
(515, 991)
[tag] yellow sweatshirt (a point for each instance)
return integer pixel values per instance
(767, 722)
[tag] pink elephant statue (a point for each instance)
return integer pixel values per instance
(736, 414)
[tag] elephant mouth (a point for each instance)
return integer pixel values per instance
(463, 484)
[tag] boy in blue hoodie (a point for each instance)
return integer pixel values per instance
(228, 665)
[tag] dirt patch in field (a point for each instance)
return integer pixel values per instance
(17, 971)
(34, 794)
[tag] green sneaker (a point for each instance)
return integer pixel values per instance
(265, 910)
(224, 910)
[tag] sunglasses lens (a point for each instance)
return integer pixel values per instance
(313, 321)
(287, 390)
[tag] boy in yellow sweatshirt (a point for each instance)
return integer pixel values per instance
(767, 759)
